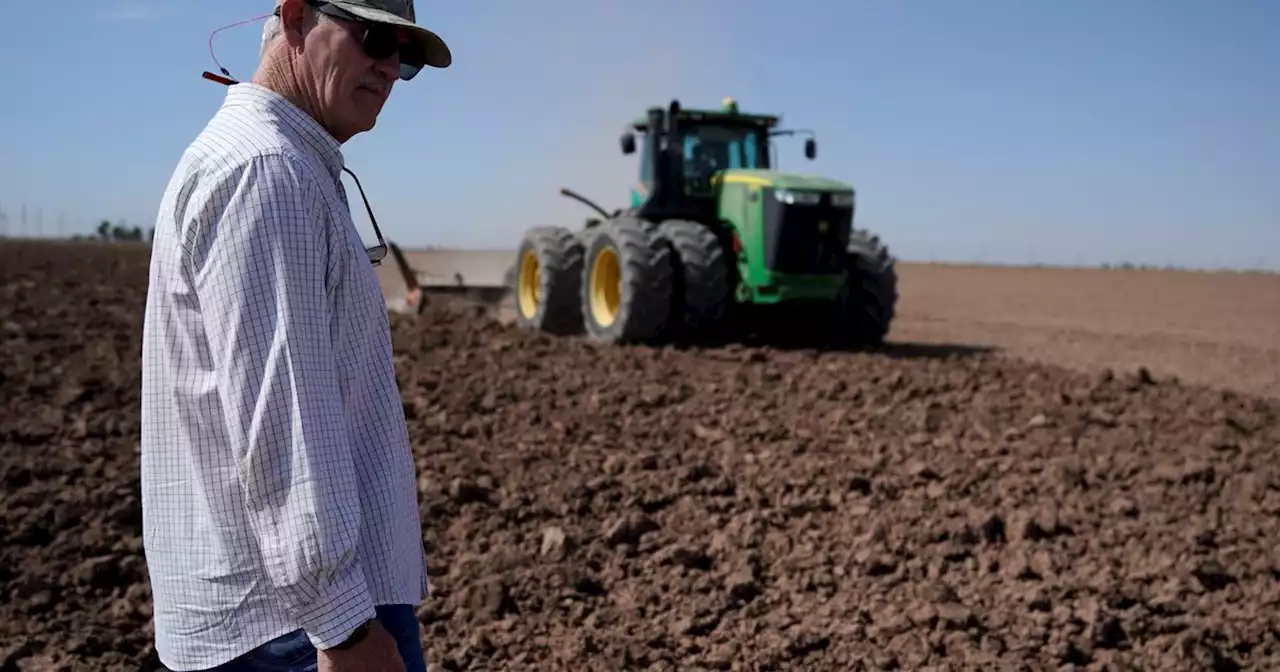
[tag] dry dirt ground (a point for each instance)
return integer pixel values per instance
(1220, 329)
(607, 509)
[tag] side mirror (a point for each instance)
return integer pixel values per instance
(628, 142)
(810, 148)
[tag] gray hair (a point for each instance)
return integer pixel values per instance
(271, 30)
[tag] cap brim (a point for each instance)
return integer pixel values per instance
(429, 47)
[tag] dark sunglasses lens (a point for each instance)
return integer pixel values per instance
(409, 71)
(381, 42)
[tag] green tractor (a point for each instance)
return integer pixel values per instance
(714, 237)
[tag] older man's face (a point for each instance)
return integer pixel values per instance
(350, 87)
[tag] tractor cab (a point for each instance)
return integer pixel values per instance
(710, 149)
(696, 147)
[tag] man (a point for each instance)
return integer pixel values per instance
(280, 509)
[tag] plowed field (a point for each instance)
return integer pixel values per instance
(604, 509)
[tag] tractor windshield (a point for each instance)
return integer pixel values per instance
(711, 149)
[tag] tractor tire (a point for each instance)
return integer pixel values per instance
(701, 279)
(547, 279)
(866, 304)
(626, 283)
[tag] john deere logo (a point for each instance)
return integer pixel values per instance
(823, 226)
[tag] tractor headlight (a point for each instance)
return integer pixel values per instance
(842, 200)
(797, 197)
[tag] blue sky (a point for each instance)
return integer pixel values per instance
(1000, 130)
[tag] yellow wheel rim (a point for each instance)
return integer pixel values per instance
(606, 287)
(530, 291)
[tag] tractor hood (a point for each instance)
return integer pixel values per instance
(781, 180)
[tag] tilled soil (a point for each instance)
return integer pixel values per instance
(632, 508)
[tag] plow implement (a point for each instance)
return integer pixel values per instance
(483, 276)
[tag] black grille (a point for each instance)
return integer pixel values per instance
(795, 240)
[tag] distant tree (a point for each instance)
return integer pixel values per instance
(120, 232)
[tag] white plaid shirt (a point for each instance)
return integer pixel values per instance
(278, 489)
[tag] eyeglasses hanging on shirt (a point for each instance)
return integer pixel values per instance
(375, 253)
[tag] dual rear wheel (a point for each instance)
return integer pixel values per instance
(549, 264)
(615, 282)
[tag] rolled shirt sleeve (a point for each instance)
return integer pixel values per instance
(264, 294)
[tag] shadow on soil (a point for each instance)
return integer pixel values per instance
(891, 349)
(894, 350)
(799, 327)
(909, 350)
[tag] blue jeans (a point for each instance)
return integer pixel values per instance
(294, 653)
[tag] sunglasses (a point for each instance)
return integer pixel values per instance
(379, 40)
(379, 251)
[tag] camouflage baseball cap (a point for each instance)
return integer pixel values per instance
(427, 47)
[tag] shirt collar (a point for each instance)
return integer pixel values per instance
(283, 112)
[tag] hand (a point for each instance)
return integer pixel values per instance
(377, 652)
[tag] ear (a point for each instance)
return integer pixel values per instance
(293, 20)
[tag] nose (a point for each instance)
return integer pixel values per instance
(388, 68)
